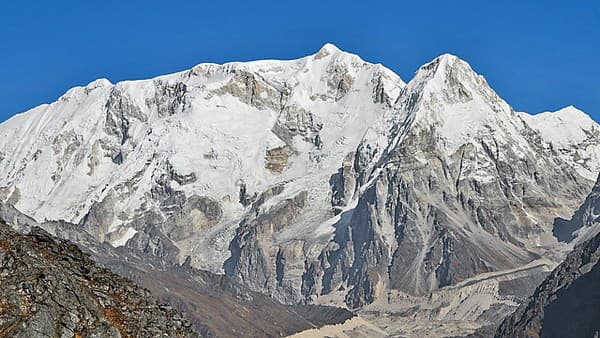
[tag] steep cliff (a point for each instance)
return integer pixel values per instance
(566, 304)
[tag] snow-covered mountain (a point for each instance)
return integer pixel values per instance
(460, 175)
(191, 148)
(573, 134)
(324, 179)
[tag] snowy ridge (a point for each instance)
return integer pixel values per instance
(572, 133)
(570, 121)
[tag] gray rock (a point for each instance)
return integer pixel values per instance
(252, 259)
(169, 98)
(566, 303)
(586, 216)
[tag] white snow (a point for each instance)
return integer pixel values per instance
(574, 134)
(129, 233)
(564, 127)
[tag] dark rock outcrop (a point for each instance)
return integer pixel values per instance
(566, 304)
(251, 247)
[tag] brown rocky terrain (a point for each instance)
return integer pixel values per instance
(49, 288)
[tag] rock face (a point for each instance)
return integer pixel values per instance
(566, 304)
(582, 224)
(50, 288)
(325, 179)
(461, 186)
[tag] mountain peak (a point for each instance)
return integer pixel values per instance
(573, 124)
(572, 111)
(98, 83)
(101, 82)
(442, 64)
(328, 49)
(446, 58)
(449, 74)
(448, 93)
(567, 116)
(573, 131)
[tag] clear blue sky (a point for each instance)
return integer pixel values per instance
(539, 55)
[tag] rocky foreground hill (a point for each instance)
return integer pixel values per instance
(566, 304)
(49, 288)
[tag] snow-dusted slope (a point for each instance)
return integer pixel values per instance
(573, 134)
